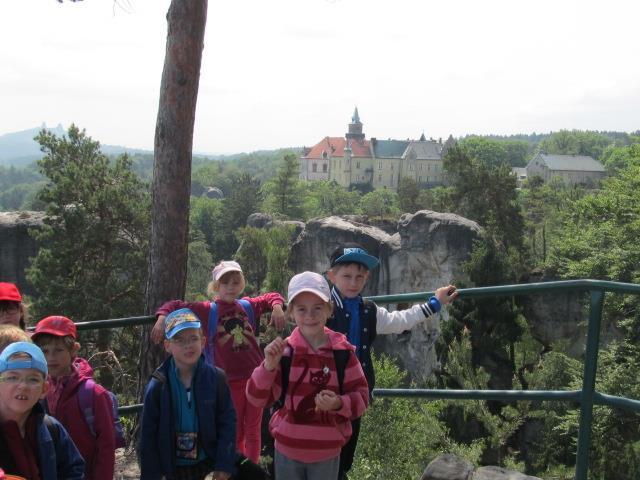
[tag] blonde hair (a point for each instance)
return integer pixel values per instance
(10, 334)
(214, 285)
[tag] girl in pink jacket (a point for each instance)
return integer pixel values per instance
(315, 420)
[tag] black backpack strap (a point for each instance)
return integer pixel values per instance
(54, 431)
(341, 358)
(285, 368)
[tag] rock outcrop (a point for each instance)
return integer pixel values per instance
(427, 251)
(452, 467)
(17, 247)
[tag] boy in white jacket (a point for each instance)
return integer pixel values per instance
(361, 320)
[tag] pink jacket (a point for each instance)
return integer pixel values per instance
(302, 433)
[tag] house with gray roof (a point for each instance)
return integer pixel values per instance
(571, 169)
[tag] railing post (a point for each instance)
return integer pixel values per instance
(588, 384)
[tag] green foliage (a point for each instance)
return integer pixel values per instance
(324, 199)
(199, 266)
(93, 247)
(493, 153)
(576, 142)
(399, 437)
(381, 203)
(284, 191)
(617, 158)
(485, 194)
(264, 256)
(409, 195)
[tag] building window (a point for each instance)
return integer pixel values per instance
(357, 164)
(428, 179)
(419, 179)
(392, 167)
(380, 178)
(324, 167)
(379, 165)
(391, 179)
(429, 168)
(411, 167)
(421, 167)
(314, 167)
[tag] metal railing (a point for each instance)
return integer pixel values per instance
(586, 397)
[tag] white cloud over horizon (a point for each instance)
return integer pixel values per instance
(289, 72)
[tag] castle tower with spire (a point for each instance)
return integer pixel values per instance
(355, 127)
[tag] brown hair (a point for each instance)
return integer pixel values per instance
(43, 339)
(10, 334)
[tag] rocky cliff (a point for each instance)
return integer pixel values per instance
(17, 247)
(427, 250)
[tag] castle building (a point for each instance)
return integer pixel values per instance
(353, 160)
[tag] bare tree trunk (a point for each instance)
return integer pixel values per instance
(186, 21)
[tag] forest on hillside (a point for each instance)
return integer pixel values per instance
(99, 205)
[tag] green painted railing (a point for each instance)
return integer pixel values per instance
(587, 397)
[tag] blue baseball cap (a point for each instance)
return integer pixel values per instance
(36, 361)
(353, 253)
(180, 320)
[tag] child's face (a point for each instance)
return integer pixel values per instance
(19, 391)
(231, 286)
(59, 356)
(10, 313)
(350, 279)
(186, 347)
(310, 313)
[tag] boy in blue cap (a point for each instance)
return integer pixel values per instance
(188, 420)
(361, 320)
(32, 444)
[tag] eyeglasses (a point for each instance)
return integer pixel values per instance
(31, 381)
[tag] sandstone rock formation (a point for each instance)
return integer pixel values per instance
(452, 467)
(427, 251)
(17, 247)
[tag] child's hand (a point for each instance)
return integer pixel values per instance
(157, 332)
(277, 317)
(327, 400)
(446, 295)
(273, 353)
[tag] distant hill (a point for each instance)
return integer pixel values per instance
(19, 149)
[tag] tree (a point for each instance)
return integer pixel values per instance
(328, 198)
(409, 195)
(186, 21)
(380, 202)
(576, 142)
(92, 259)
(284, 193)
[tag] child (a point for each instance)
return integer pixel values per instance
(12, 310)
(32, 444)
(11, 334)
(361, 320)
(188, 421)
(56, 336)
(315, 420)
(233, 342)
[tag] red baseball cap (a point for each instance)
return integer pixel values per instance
(56, 325)
(8, 291)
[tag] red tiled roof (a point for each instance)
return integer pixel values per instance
(334, 146)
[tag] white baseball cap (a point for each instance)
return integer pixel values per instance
(223, 267)
(309, 282)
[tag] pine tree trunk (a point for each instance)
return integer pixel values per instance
(186, 21)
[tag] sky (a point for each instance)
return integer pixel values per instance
(284, 73)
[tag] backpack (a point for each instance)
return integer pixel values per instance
(341, 358)
(85, 401)
(213, 326)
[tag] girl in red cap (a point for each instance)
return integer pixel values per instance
(12, 310)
